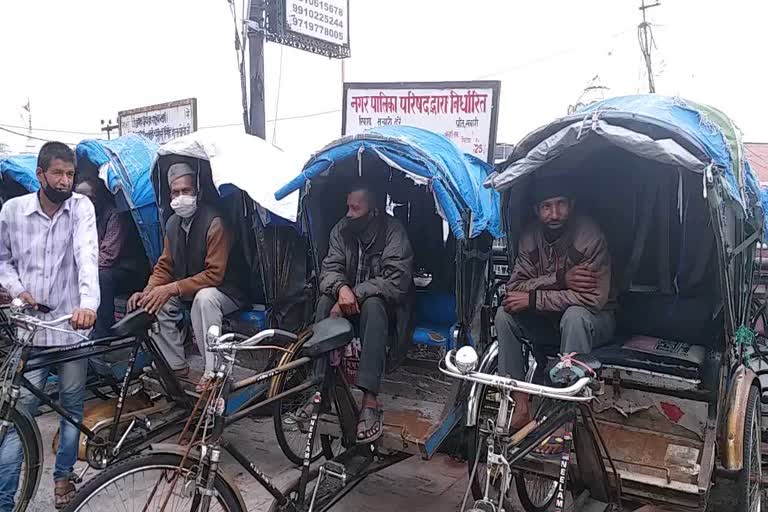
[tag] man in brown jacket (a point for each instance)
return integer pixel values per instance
(193, 272)
(560, 287)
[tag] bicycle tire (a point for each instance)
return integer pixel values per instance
(748, 482)
(32, 458)
(281, 407)
(228, 497)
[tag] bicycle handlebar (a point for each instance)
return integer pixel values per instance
(569, 394)
(224, 343)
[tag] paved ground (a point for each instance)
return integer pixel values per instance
(411, 486)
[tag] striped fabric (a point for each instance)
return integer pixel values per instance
(55, 260)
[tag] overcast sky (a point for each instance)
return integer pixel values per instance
(80, 61)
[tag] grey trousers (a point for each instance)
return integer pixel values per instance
(577, 330)
(208, 308)
(373, 329)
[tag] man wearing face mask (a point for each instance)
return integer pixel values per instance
(365, 275)
(193, 272)
(49, 257)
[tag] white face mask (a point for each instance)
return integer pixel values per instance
(184, 206)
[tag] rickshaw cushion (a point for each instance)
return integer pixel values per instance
(135, 323)
(654, 354)
(434, 317)
(328, 335)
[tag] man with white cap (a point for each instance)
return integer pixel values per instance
(193, 272)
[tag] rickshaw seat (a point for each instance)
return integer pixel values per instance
(654, 355)
(434, 318)
(328, 335)
(135, 323)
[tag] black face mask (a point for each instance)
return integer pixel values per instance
(360, 224)
(54, 195)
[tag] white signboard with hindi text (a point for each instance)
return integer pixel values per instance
(465, 112)
(160, 123)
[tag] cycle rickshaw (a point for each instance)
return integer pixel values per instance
(677, 405)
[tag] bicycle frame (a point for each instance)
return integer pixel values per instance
(333, 388)
(46, 358)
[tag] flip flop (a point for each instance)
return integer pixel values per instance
(555, 441)
(370, 425)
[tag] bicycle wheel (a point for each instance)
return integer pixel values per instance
(145, 482)
(27, 457)
(748, 483)
(289, 430)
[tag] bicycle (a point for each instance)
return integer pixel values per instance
(107, 441)
(566, 409)
(190, 473)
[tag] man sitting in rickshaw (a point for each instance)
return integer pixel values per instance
(559, 289)
(193, 273)
(366, 273)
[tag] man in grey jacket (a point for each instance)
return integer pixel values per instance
(366, 273)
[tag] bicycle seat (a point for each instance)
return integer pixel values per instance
(135, 323)
(328, 335)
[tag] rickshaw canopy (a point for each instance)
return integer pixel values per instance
(247, 162)
(427, 158)
(22, 169)
(124, 165)
(670, 130)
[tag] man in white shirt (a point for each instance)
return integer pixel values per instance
(49, 256)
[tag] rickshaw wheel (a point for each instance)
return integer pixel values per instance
(749, 482)
(291, 440)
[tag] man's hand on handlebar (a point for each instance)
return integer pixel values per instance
(27, 298)
(336, 311)
(83, 318)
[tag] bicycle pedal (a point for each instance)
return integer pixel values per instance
(336, 470)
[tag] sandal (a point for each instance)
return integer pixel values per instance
(63, 493)
(303, 413)
(554, 441)
(370, 425)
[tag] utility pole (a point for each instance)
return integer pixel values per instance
(256, 57)
(108, 128)
(645, 35)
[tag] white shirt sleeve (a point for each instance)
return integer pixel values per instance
(9, 276)
(86, 249)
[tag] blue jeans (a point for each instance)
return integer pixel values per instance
(72, 377)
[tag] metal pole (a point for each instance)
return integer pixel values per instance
(256, 58)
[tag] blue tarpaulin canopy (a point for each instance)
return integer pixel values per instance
(671, 130)
(21, 169)
(456, 179)
(124, 165)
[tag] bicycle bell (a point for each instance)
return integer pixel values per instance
(466, 359)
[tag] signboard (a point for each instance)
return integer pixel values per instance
(160, 123)
(317, 26)
(465, 112)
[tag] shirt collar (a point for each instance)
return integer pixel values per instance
(33, 205)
